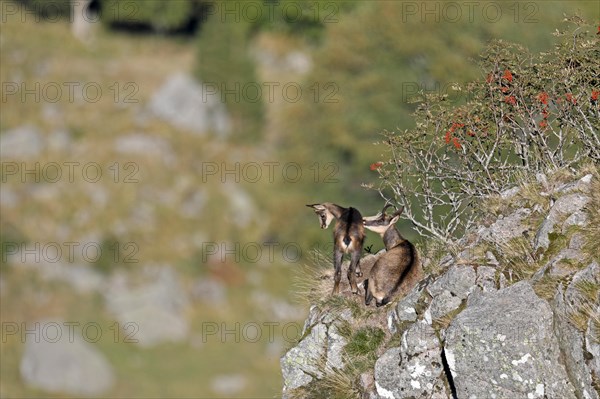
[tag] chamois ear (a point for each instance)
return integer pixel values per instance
(316, 207)
(396, 217)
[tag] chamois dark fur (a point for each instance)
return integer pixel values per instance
(348, 237)
(398, 266)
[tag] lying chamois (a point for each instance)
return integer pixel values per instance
(348, 237)
(399, 264)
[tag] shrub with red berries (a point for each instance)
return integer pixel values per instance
(530, 113)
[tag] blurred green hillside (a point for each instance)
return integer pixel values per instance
(357, 64)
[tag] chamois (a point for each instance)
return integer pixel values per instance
(348, 237)
(398, 265)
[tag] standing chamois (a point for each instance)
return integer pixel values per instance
(398, 265)
(348, 237)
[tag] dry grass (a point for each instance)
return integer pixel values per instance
(586, 309)
(591, 232)
(443, 322)
(313, 283)
(334, 383)
(516, 258)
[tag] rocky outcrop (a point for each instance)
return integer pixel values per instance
(502, 345)
(415, 369)
(59, 360)
(486, 324)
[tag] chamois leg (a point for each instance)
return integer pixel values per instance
(368, 295)
(354, 265)
(357, 266)
(337, 263)
(384, 301)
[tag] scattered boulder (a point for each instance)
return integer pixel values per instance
(63, 363)
(156, 305)
(186, 104)
(276, 308)
(242, 206)
(21, 143)
(229, 384)
(193, 204)
(82, 277)
(209, 291)
(141, 144)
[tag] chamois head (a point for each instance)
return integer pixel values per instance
(381, 222)
(324, 214)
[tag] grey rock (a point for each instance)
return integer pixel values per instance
(414, 369)
(300, 364)
(229, 384)
(592, 344)
(582, 184)
(335, 348)
(405, 310)
(419, 338)
(144, 145)
(590, 274)
(8, 197)
(450, 290)
(312, 319)
(571, 343)
(577, 241)
(491, 258)
(193, 204)
(64, 363)
(51, 112)
(486, 278)
(507, 228)
(320, 351)
(503, 346)
(299, 62)
(59, 140)
(578, 218)
(241, 205)
(277, 308)
(443, 304)
(565, 205)
(156, 305)
(446, 261)
(295, 61)
(511, 192)
(83, 278)
(21, 143)
(367, 385)
(559, 265)
(543, 180)
(458, 280)
(209, 291)
(185, 103)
